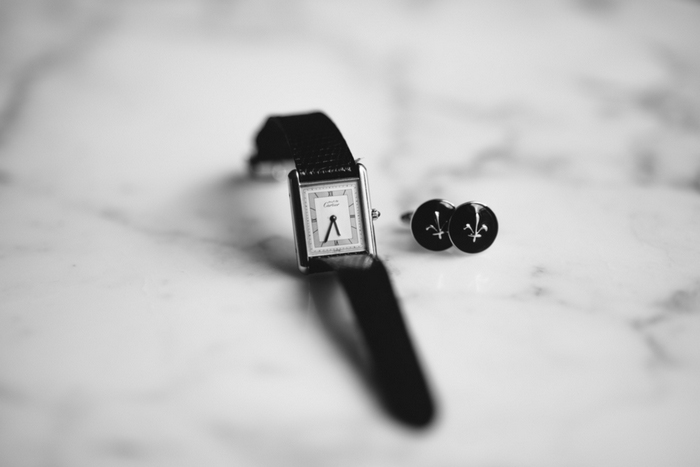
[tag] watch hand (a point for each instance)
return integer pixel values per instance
(337, 230)
(328, 233)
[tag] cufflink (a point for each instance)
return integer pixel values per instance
(437, 225)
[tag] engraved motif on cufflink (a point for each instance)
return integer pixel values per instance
(430, 222)
(437, 225)
(473, 227)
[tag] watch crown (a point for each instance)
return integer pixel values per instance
(375, 214)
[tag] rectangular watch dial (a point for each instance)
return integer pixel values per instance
(332, 218)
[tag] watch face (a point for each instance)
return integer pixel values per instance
(332, 222)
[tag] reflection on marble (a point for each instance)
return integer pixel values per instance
(150, 309)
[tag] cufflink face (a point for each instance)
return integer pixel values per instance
(430, 224)
(473, 227)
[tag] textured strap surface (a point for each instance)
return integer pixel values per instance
(396, 369)
(311, 140)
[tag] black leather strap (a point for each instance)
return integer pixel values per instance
(311, 140)
(396, 369)
(320, 153)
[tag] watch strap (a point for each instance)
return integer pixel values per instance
(320, 152)
(396, 369)
(312, 140)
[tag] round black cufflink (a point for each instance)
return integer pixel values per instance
(437, 225)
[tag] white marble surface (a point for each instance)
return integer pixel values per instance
(150, 313)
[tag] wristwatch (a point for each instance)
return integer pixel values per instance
(333, 230)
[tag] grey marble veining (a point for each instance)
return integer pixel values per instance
(150, 308)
